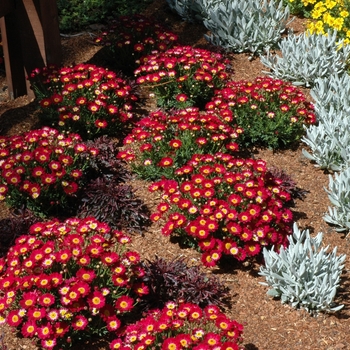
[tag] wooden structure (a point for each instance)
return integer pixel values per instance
(30, 39)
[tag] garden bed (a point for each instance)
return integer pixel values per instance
(267, 323)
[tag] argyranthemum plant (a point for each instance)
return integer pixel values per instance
(225, 206)
(67, 281)
(43, 170)
(183, 76)
(128, 38)
(161, 142)
(271, 112)
(182, 326)
(85, 99)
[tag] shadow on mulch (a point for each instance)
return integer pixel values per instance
(250, 347)
(14, 118)
(12, 227)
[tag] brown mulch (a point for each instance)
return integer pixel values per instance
(267, 323)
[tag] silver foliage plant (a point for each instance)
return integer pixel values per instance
(330, 144)
(306, 57)
(246, 26)
(332, 91)
(192, 10)
(339, 196)
(304, 274)
(329, 140)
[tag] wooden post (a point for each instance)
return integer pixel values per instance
(31, 39)
(15, 75)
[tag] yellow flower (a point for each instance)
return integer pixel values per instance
(338, 24)
(319, 26)
(344, 13)
(315, 14)
(330, 4)
(348, 34)
(311, 28)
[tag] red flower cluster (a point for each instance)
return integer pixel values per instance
(86, 99)
(226, 205)
(160, 152)
(41, 167)
(271, 112)
(184, 326)
(68, 277)
(183, 76)
(135, 36)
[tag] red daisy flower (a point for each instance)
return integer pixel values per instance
(171, 344)
(46, 299)
(79, 323)
(45, 331)
(28, 300)
(13, 318)
(29, 329)
(96, 300)
(86, 275)
(113, 323)
(166, 162)
(124, 303)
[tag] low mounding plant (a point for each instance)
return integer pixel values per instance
(183, 76)
(223, 205)
(271, 112)
(332, 92)
(75, 15)
(105, 163)
(329, 140)
(330, 15)
(114, 203)
(307, 57)
(250, 25)
(183, 326)
(300, 7)
(339, 195)
(175, 280)
(165, 142)
(43, 170)
(192, 10)
(287, 183)
(67, 281)
(85, 99)
(304, 274)
(128, 38)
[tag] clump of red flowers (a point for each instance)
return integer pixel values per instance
(162, 142)
(85, 99)
(129, 38)
(68, 280)
(225, 206)
(183, 76)
(271, 112)
(42, 169)
(182, 326)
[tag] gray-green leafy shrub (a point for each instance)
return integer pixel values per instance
(339, 195)
(332, 91)
(304, 274)
(188, 10)
(246, 26)
(329, 140)
(306, 57)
